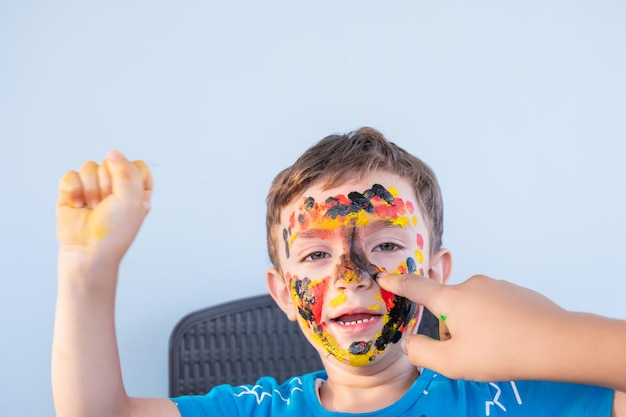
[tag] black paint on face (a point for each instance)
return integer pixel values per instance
(307, 300)
(399, 317)
(360, 348)
(359, 258)
(286, 240)
(359, 201)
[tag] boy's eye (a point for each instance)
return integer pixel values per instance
(314, 256)
(386, 247)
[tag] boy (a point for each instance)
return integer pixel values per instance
(353, 226)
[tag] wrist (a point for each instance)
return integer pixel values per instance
(83, 266)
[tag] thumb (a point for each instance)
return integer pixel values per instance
(426, 352)
(126, 180)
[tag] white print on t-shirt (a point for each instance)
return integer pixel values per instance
(496, 398)
(260, 395)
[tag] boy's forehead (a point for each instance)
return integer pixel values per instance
(382, 195)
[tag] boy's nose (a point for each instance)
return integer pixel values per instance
(348, 273)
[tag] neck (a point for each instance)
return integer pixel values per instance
(359, 390)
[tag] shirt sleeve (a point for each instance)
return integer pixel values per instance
(219, 401)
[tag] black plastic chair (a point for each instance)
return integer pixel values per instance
(238, 342)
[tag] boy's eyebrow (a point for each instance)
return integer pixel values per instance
(383, 224)
(313, 234)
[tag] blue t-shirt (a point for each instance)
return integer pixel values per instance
(430, 395)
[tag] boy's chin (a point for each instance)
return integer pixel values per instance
(361, 353)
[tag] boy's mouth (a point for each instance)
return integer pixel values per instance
(354, 319)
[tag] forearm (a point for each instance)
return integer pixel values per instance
(86, 374)
(589, 349)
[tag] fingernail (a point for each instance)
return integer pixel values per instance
(115, 154)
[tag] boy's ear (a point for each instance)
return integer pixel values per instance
(440, 266)
(280, 292)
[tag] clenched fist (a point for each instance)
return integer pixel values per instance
(100, 208)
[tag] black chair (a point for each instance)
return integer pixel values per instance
(239, 341)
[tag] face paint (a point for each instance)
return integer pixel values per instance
(349, 214)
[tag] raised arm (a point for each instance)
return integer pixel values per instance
(500, 331)
(100, 209)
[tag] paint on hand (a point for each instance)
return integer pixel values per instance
(101, 232)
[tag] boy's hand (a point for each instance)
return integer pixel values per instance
(101, 207)
(492, 330)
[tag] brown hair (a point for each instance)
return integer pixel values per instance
(338, 158)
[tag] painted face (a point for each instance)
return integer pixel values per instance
(335, 242)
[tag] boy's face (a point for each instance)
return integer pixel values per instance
(333, 244)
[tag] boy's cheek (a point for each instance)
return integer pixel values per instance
(308, 295)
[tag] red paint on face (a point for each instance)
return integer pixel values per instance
(318, 291)
(388, 298)
(420, 241)
(410, 208)
(391, 211)
(292, 221)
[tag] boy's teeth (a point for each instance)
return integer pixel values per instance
(350, 323)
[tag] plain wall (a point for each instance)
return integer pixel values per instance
(518, 106)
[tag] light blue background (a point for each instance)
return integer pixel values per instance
(520, 107)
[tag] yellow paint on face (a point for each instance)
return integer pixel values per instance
(414, 220)
(419, 257)
(340, 299)
(374, 307)
(400, 221)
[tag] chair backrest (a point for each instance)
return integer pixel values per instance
(238, 342)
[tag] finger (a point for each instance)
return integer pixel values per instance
(125, 178)
(104, 181)
(444, 332)
(146, 177)
(70, 190)
(89, 180)
(418, 289)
